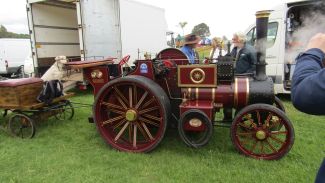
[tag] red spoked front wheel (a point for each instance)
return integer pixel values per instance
(131, 113)
(262, 131)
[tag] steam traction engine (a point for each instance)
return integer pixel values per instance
(131, 111)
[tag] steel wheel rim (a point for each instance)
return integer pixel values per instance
(118, 126)
(195, 138)
(249, 134)
(65, 112)
(21, 126)
(278, 103)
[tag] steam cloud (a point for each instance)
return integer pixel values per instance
(312, 23)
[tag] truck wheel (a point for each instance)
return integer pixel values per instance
(21, 126)
(131, 113)
(254, 132)
(195, 128)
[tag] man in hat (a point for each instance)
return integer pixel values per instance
(190, 43)
(244, 54)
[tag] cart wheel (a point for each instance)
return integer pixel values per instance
(195, 128)
(278, 103)
(255, 132)
(131, 113)
(66, 111)
(22, 126)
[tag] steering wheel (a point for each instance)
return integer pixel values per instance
(124, 60)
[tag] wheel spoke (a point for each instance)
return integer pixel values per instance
(110, 105)
(112, 120)
(130, 132)
(258, 118)
(130, 97)
(149, 122)
(278, 132)
(244, 142)
(243, 125)
(117, 111)
(121, 95)
(148, 110)
(119, 124)
(135, 136)
(247, 134)
(142, 132)
(121, 131)
(147, 130)
(135, 94)
(270, 145)
(267, 122)
(277, 140)
(141, 100)
(148, 102)
(152, 117)
(254, 145)
(262, 148)
(121, 102)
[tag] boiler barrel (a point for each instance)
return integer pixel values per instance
(242, 92)
(235, 95)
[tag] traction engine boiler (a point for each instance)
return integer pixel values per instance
(132, 110)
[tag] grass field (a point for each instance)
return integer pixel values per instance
(73, 151)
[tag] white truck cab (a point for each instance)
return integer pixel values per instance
(13, 53)
(289, 30)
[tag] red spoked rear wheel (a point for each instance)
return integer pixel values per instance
(262, 131)
(131, 113)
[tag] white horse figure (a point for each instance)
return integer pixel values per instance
(56, 71)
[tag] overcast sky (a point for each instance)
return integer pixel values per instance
(223, 17)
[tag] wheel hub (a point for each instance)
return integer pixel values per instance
(195, 122)
(131, 115)
(260, 135)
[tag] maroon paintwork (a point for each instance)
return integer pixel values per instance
(144, 68)
(131, 110)
(97, 83)
(90, 66)
(235, 95)
(203, 105)
(186, 76)
(140, 128)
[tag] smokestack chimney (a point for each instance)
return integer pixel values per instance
(262, 20)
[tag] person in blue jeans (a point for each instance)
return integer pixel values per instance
(190, 43)
(308, 84)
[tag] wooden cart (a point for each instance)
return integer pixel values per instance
(20, 97)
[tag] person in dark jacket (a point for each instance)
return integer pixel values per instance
(244, 54)
(308, 84)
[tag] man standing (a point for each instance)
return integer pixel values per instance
(244, 54)
(308, 84)
(190, 43)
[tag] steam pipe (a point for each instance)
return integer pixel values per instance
(262, 19)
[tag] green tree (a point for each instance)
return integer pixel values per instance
(201, 30)
(5, 34)
(182, 25)
(3, 31)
